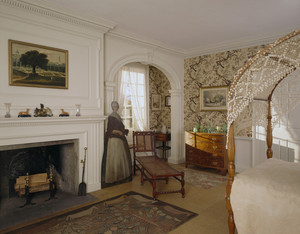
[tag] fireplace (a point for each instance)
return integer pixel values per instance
(50, 138)
(42, 142)
(34, 158)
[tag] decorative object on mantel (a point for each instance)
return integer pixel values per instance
(63, 113)
(43, 112)
(77, 109)
(24, 114)
(7, 107)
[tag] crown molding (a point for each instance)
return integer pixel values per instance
(57, 14)
(145, 41)
(236, 44)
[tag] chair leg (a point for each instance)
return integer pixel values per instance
(134, 167)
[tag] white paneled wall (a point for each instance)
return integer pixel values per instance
(84, 48)
(86, 85)
(286, 139)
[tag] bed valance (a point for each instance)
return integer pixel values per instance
(258, 78)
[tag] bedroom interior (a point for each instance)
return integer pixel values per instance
(98, 48)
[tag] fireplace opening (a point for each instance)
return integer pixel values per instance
(17, 160)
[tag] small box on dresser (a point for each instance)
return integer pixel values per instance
(206, 150)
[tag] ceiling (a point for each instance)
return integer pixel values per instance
(190, 26)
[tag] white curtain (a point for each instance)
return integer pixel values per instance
(132, 81)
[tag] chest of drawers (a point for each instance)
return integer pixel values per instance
(206, 150)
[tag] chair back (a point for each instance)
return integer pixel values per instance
(143, 145)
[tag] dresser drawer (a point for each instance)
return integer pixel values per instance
(218, 155)
(190, 150)
(217, 138)
(190, 139)
(210, 147)
(203, 160)
(217, 163)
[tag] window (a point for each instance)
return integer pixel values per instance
(133, 96)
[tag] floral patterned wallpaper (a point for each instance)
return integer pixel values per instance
(213, 70)
(159, 84)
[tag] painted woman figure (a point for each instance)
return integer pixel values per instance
(116, 162)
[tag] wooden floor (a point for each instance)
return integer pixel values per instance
(209, 204)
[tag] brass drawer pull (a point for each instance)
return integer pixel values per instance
(214, 139)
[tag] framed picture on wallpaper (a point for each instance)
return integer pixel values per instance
(37, 66)
(213, 98)
(168, 101)
(156, 102)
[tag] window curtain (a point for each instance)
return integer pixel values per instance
(132, 81)
(121, 90)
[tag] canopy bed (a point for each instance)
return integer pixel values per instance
(265, 198)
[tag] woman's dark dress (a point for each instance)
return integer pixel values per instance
(116, 162)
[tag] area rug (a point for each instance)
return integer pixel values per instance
(127, 213)
(201, 177)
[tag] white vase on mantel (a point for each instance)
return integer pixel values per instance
(7, 107)
(78, 109)
(164, 129)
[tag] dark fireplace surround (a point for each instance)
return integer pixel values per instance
(17, 160)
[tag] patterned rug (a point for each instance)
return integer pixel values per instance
(204, 178)
(128, 213)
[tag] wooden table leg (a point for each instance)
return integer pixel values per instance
(154, 187)
(142, 176)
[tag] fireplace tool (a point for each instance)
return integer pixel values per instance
(51, 184)
(27, 194)
(82, 185)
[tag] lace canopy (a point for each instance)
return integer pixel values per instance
(280, 61)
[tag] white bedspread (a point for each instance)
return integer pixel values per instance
(266, 199)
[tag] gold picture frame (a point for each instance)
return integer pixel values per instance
(39, 66)
(214, 98)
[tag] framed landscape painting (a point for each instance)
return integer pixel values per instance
(37, 66)
(213, 98)
(156, 102)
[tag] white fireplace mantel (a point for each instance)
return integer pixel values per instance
(35, 121)
(88, 130)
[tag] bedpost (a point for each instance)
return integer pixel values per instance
(269, 136)
(231, 172)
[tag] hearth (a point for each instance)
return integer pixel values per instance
(34, 158)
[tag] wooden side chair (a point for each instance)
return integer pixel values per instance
(143, 145)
